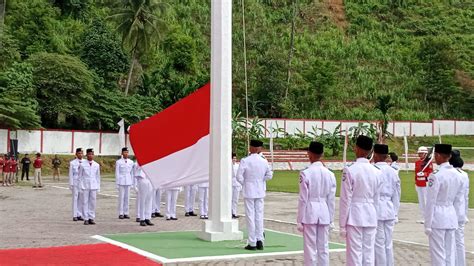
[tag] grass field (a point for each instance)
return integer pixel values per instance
(288, 181)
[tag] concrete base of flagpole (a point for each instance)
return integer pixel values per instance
(221, 230)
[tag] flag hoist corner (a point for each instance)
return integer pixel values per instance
(172, 146)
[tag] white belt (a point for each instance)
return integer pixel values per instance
(421, 178)
(362, 200)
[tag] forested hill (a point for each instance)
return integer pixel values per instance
(66, 63)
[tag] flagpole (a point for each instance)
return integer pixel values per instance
(220, 225)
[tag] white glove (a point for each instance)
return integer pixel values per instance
(300, 227)
(396, 219)
(331, 226)
(71, 187)
(342, 232)
(467, 220)
(135, 188)
(427, 231)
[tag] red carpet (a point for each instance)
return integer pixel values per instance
(96, 254)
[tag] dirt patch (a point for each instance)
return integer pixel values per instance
(338, 12)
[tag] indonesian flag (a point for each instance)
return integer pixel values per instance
(172, 147)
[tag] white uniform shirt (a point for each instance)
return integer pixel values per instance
(124, 172)
(89, 175)
(252, 174)
(316, 201)
(464, 204)
(235, 168)
(395, 166)
(360, 188)
(203, 185)
(74, 171)
(443, 198)
(138, 172)
(389, 201)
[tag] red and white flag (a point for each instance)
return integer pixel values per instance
(172, 147)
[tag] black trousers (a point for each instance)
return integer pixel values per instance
(26, 171)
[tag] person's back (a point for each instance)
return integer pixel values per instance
(255, 172)
(389, 199)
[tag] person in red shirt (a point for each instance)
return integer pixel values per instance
(37, 164)
(2, 163)
(6, 170)
(13, 169)
(422, 171)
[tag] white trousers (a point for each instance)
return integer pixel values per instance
(156, 200)
(77, 203)
(190, 197)
(384, 243)
(460, 249)
(442, 247)
(171, 198)
(235, 198)
(123, 199)
(421, 191)
(89, 200)
(145, 190)
(204, 200)
(316, 246)
(38, 176)
(360, 245)
(137, 202)
(254, 216)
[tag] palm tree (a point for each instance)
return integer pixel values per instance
(384, 103)
(138, 22)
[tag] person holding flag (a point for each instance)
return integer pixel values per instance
(77, 208)
(144, 195)
(190, 199)
(423, 168)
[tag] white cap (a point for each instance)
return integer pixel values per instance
(422, 149)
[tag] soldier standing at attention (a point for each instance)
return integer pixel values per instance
(443, 204)
(89, 182)
(190, 199)
(236, 186)
(123, 181)
(171, 199)
(360, 188)
(420, 179)
(253, 173)
(77, 208)
(316, 205)
(56, 163)
(387, 208)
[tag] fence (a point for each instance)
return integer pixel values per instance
(52, 141)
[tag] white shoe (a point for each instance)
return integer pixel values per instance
(420, 222)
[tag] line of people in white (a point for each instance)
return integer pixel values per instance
(370, 202)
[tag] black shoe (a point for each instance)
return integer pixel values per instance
(148, 222)
(86, 222)
(142, 223)
(126, 217)
(202, 217)
(91, 221)
(167, 219)
(174, 218)
(192, 214)
(235, 216)
(249, 247)
(137, 220)
(259, 245)
(157, 214)
(153, 215)
(74, 219)
(121, 217)
(186, 214)
(80, 218)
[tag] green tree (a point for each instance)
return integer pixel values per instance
(384, 103)
(64, 87)
(138, 23)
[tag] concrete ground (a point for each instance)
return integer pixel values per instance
(42, 218)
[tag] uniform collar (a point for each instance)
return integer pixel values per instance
(317, 163)
(381, 163)
(445, 165)
(362, 160)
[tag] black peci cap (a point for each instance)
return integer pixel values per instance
(78, 150)
(393, 156)
(381, 148)
(364, 142)
(316, 147)
(256, 143)
(89, 150)
(443, 148)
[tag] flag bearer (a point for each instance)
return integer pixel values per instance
(203, 200)
(157, 192)
(145, 192)
(123, 181)
(190, 199)
(77, 207)
(89, 182)
(171, 199)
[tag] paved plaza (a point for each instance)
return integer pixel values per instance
(42, 218)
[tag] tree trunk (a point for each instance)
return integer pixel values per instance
(292, 45)
(3, 4)
(129, 79)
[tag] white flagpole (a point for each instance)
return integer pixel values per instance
(439, 135)
(121, 132)
(405, 143)
(271, 143)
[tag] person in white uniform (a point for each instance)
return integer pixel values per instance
(156, 209)
(316, 205)
(123, 181)
(190, 199)
(394, 164)
(236, 186)
(253, 173)
(171, 199)
(443, 204)
(89, 182)
(203, 200)
(145, 190)
(360, 188)
(77, 208)
(387, 208)
(457, 162)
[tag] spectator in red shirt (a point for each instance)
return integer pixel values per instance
(13, 169)
(37, 164)
(421, 176)
(2, 164)
(5, 169)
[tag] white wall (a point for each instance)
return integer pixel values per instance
(86, 140)
(111, 144)
(57, 142)
(464, 128)
(331, 125)
(421, 129)
(29, 141)
(3, 141)
(313, 126)
(445, 127)
(293, 125)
